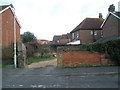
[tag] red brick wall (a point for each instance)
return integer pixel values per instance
(82, 57)
(85, 36)
(111, 27)
(8, 28)
(70, 56)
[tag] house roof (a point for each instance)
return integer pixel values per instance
(56, 37)
(65, 36)
(61, 39)
(115, 14)
(3, 8)
(89, 24)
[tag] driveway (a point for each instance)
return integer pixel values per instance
(49, 63)
(51, 77)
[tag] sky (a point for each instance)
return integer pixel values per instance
(46, 18)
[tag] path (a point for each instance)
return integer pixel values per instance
(40, 64)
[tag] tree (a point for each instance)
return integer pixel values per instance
(29, 37)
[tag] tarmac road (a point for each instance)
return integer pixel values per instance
(51, 77)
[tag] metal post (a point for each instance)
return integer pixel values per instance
(15, 56)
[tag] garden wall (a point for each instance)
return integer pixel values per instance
(72, 56)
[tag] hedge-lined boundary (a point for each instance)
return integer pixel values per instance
(110, 48)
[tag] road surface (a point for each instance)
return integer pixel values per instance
(51, 77)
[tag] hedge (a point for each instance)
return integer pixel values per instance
(111, 48)
(7, 53)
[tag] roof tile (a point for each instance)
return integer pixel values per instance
(89, 24)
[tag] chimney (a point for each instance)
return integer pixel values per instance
(111, 8)
(100, 15)
(11, 5)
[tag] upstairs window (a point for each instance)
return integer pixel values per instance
(58, 41)
(102, 33)
(94, 32)
(77, 35)
(72, 35)
(91, 32)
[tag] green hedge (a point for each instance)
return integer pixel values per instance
(7, 53)
(111, 48)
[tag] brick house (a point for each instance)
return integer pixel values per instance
(7, 15)
(55, 40)
(61, 39)
(64, 39)
(88, 31)
(111, 25)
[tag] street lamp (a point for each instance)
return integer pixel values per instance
(15, 56)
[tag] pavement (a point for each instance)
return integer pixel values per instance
(51, 77)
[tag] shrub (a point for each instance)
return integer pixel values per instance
(111, 48)
(7, 53)
(31, 48)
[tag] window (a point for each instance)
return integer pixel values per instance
(102, 33)
(91, 32)
(77, 35)
(58, 41)
(95, 33)
(72, 35)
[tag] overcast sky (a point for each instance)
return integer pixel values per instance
(46, 18)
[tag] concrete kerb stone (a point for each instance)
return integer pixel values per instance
(71, 74)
